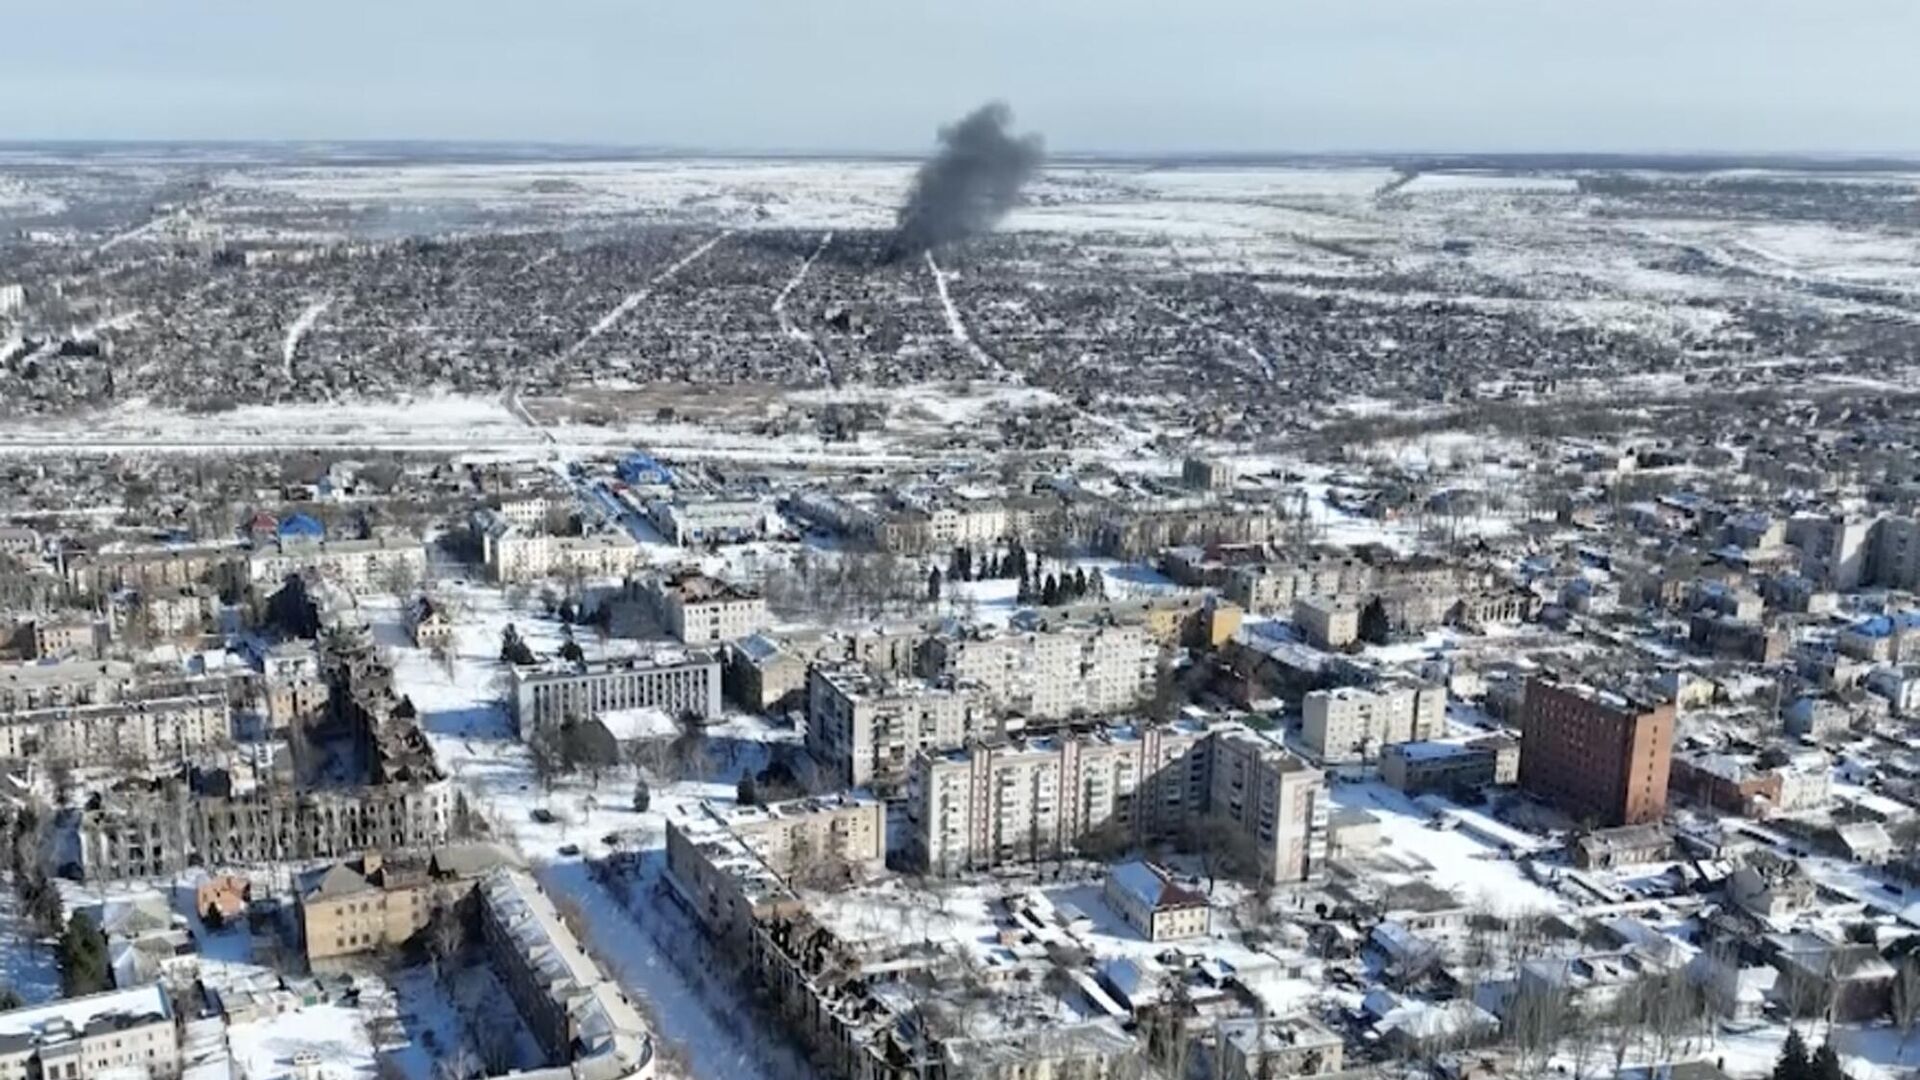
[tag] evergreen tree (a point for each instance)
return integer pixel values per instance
(1794, 1063)
(1050, 591)
(1374, 626)
(570, 650)
(642, 796)
(1025, 593)
(82, 954)
(747, 792)
(1080, 583)
(1826, 1063)
(966, 564)
(1097, 583)
(933, 585)
(953, 562)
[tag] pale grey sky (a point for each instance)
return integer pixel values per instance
(1125, 75)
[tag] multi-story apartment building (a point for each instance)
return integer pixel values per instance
(1833, 550)
(1353, 723)
(867, 728)
(292, 686)
(133, 730)
(1603, 755)
(1277, 800)
(117, 1033)
(734, 863)
(147, 569)
(1274, 586)
(1058, 670)
(374, 903)
(1004, 801)
(361, 567)
(675, 680)
(162, 834)
(698, 609)
(81, 638)
(70, 682)
(580, 1017)
(520, 551)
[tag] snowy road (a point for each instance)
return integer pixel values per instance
(958, 327)
(634, 299)
(299, 329)
(786, 323)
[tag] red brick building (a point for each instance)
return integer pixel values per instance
(1600, 756)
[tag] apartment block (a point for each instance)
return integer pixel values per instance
(675, 680)
(733, 864)
(867, 728)
(361, 567)
(1060, 670)
(1597, 754)
(580, 1017)
(513, 554)
(140, 730)
(1353, 723)
(1329, 622)
(1007, 801)
(161, 834)
(1275, 798)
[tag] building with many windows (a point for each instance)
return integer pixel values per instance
(675, 680)
(1353, 723)
(867, 728)
(120, 1032)
(1002, 801)
(1597, 754)
(579, 1016)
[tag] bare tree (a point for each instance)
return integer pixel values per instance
(1906, 996)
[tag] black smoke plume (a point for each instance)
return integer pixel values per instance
(970, 184)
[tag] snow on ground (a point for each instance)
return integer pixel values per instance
(334, 1034)
(26, 963)
(1475, 871)
(463, 715)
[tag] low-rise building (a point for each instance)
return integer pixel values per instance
(374, 903)
(430, 625)
(1276, 1047)
(120, 1032)
(1451, 766)
(698, 609)
(1154, 904)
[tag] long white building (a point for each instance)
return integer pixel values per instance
(675, 680)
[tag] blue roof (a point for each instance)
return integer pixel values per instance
(638, 467)
(302, 525)
(1880, 626)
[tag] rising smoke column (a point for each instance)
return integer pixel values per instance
(970, 184)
